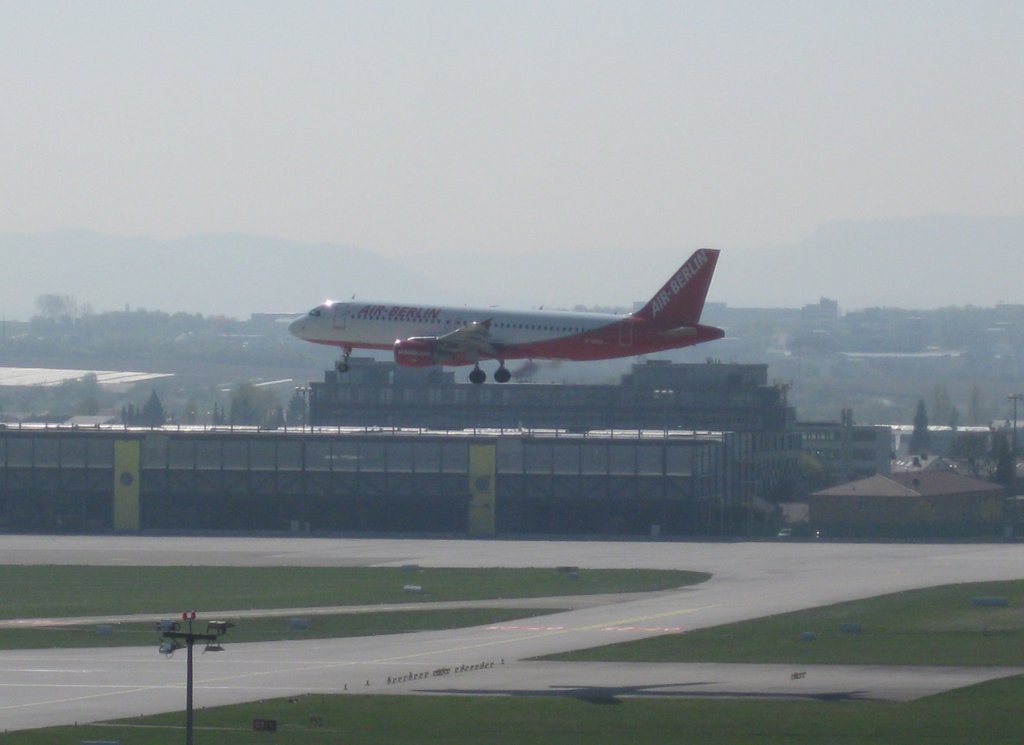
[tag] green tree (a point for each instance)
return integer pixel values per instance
(972, 447)
(814, 475)
(55, 307)
(152, 414)
(87, 395)
(129, 415)
(252, 405)
(976, 407)
(920, 440)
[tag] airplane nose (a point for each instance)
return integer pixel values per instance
(298, 327)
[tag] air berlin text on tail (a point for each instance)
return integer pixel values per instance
(678, 282)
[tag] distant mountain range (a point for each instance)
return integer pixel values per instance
(925, 262)
(920, 263)
(228, 274)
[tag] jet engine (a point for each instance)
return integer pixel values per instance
(416, 352)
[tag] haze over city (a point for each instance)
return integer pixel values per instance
(476, 145)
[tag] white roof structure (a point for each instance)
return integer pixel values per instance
(41, 376)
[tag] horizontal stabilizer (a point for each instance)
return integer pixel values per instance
(679, 332)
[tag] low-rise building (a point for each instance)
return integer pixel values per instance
(849, 451)
(912, 504)
(655, 396)
(332, 481)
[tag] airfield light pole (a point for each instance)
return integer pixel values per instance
(303, 390)
(1015, 397)
(172, 638)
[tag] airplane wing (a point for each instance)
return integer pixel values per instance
(473, 339)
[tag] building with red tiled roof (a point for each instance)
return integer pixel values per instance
(911, 504)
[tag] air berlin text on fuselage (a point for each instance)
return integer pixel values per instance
(398, 313)
(678, 282)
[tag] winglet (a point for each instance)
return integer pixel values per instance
(681, 300)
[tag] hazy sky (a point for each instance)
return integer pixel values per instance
(410, 127)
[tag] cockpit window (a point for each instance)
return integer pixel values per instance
(315, 312)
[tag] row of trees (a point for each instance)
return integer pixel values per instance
(150, 414)
(63, 329)
(990, 455)
(250, 405)
(67, 333)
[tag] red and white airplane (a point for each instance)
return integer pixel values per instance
(422, 335)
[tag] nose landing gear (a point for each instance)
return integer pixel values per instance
(342, 364)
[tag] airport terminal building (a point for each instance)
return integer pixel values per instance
(654, 395)
(623, 467)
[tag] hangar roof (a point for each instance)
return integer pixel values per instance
(30, 376)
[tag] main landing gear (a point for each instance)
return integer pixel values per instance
(501, 375)
(342, 364)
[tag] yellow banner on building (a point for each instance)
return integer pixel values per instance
(482, 468)
(127, 468)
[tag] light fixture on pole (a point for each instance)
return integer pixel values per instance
(303, 390)
(172, 639)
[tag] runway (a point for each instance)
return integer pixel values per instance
(47, 687)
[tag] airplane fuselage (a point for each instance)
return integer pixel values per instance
(520, 334)
(425, 335)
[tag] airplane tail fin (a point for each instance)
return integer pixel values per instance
(681, 300)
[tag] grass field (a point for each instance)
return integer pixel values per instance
(988, 713)
(937, 626)
(267, 628)
(69, 591)
(33, 592)
(931, 626)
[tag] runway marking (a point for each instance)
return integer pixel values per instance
(80, 671)
(106, 694)
(592, 627)
(649, 617)
(644, 629)
(465, 647)
(219, 681)
(75, 685)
